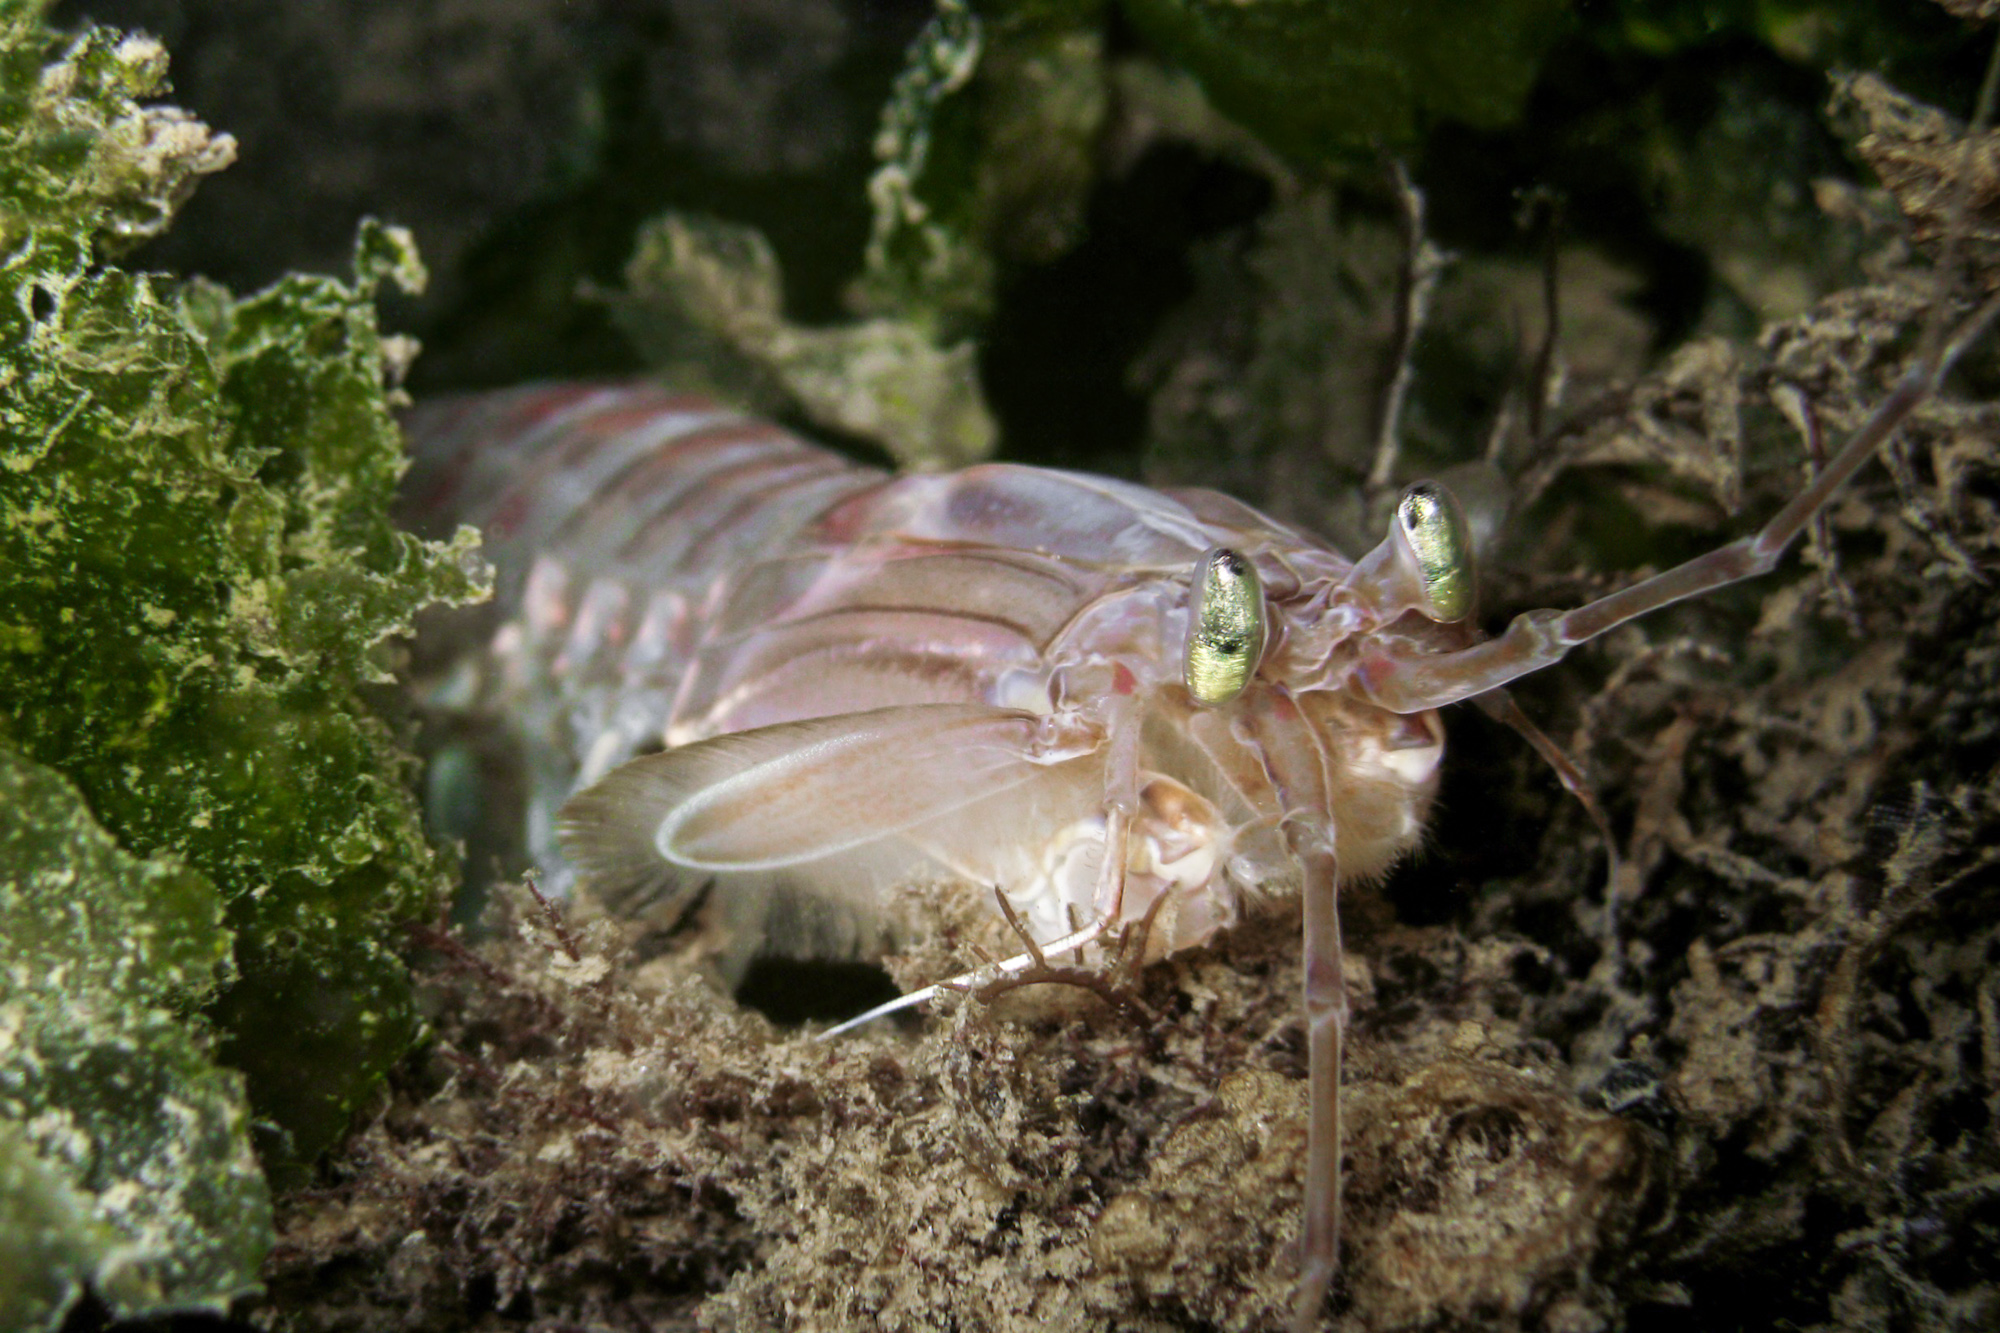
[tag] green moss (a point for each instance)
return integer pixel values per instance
(197, 578)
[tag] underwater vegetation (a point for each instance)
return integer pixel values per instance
(207, 837)
(1157, 238)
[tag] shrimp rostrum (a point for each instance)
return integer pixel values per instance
(809, 684)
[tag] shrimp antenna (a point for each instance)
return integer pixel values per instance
(978, 977)
(1408, 683)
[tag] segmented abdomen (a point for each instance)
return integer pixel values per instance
(612, 514)
(623, 481)
(670, 571)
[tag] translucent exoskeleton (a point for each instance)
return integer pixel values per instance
(1112, 704)
(736, 660)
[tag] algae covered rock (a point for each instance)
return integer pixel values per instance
(125, 1160)
(986, 151)
(705, 299)
(197, 578)
(1325, 81)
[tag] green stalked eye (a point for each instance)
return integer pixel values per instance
(1435, 528)
(1225, 627)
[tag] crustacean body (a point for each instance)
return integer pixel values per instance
(972, 676)
(813, 685)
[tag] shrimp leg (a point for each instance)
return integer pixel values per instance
(1298, 763)
(1121, 785)
(1326, 1036)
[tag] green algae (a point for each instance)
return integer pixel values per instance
(125, 1159)
(987, 149)
(1326, 82)
(198, 578)
(704, 300)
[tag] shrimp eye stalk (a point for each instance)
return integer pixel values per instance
(1227, 624)
(1439, 541)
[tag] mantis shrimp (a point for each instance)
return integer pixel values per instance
(809, 683)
